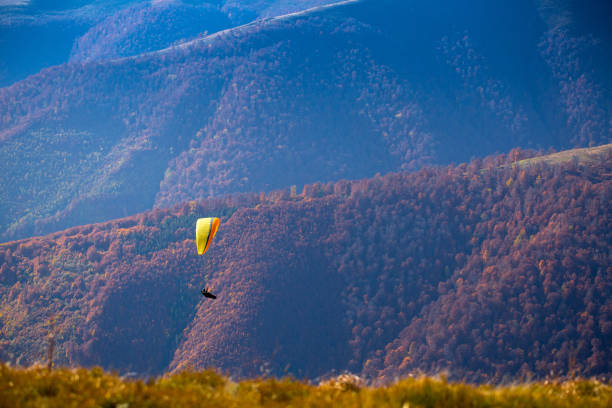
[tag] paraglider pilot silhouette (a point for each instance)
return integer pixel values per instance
(207, 294)
(206, 228)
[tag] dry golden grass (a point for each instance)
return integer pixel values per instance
(39, 387)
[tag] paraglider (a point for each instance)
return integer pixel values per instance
(206, 228)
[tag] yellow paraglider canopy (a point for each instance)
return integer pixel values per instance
(206, 228)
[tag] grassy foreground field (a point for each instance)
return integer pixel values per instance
(37, 387)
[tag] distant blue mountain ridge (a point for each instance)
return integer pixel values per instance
(39, 34)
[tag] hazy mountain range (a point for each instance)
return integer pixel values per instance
(345, 91)
(41, 33)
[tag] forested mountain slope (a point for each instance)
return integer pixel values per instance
(345, 91)
(488, 270)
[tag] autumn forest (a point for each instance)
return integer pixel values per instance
(495, 268)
